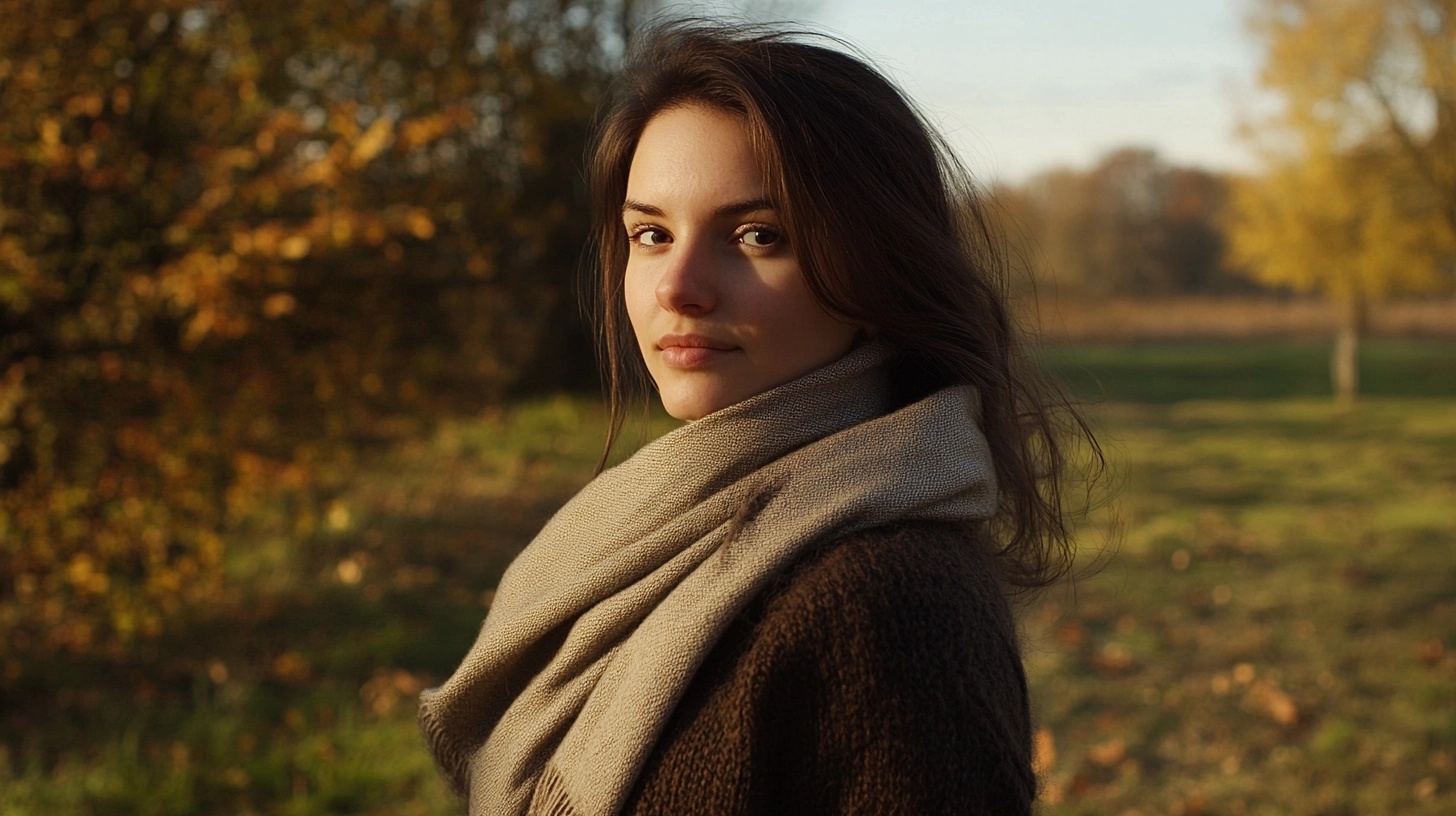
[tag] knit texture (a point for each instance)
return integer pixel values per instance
(882, 675)
(599, 625)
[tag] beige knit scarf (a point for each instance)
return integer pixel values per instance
(599, 624)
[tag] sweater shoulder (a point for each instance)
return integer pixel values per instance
(901, 643)
(908, 571)
(879, 674)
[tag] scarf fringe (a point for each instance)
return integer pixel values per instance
(551, 798)
(453, 762)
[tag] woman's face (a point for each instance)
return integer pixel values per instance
(714, 292)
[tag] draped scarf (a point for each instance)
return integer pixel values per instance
(598, 625)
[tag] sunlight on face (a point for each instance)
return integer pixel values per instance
(714, 292)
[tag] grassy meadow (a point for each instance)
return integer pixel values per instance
(1275, 633)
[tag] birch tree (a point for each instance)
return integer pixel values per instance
(1357, 195)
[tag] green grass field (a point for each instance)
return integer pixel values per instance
(1275, 634)
(1249, 370)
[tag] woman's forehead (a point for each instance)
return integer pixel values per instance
(695, 159)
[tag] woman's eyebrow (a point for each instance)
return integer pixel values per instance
(741, 207)
(636, 206)
(735, 208)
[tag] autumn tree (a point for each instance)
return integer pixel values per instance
(240, 240)
(1357, 198)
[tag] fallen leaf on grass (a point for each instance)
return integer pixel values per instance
(1430, 652)
(1273, 702)
(1070, 634)
(1356, 575)
(292, 667)
(1108, 753)
(1194, 805)
(1244, 674)
(1113, 657)
(387, 688)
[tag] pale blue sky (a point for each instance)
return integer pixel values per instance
(1019, 86)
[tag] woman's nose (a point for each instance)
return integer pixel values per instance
(688, 284)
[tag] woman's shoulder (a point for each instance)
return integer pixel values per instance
(913, 612)
(911, 572)
(880, 674)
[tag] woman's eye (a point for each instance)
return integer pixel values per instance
(650, 237)
(760, 237)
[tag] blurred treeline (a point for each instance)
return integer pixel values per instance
(1133, 225)
(243, 242)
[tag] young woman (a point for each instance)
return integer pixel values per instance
(798, 601)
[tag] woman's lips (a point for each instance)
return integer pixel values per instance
(692, 350)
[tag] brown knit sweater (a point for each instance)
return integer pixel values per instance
(880, 676)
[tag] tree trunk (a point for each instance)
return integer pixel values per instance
(1345, 361)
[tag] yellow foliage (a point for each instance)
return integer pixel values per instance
(324, 172)
(280, 304)
(423, 130)
(1342, 225)
(166, 192)
(50, 132)
(1357, 198)
(84, 105)
(374, 140)
(420, 224)
(294, 247)
(121, 100)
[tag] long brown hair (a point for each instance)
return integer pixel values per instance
(888, 230)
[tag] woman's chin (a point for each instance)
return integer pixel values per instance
(695, 402)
